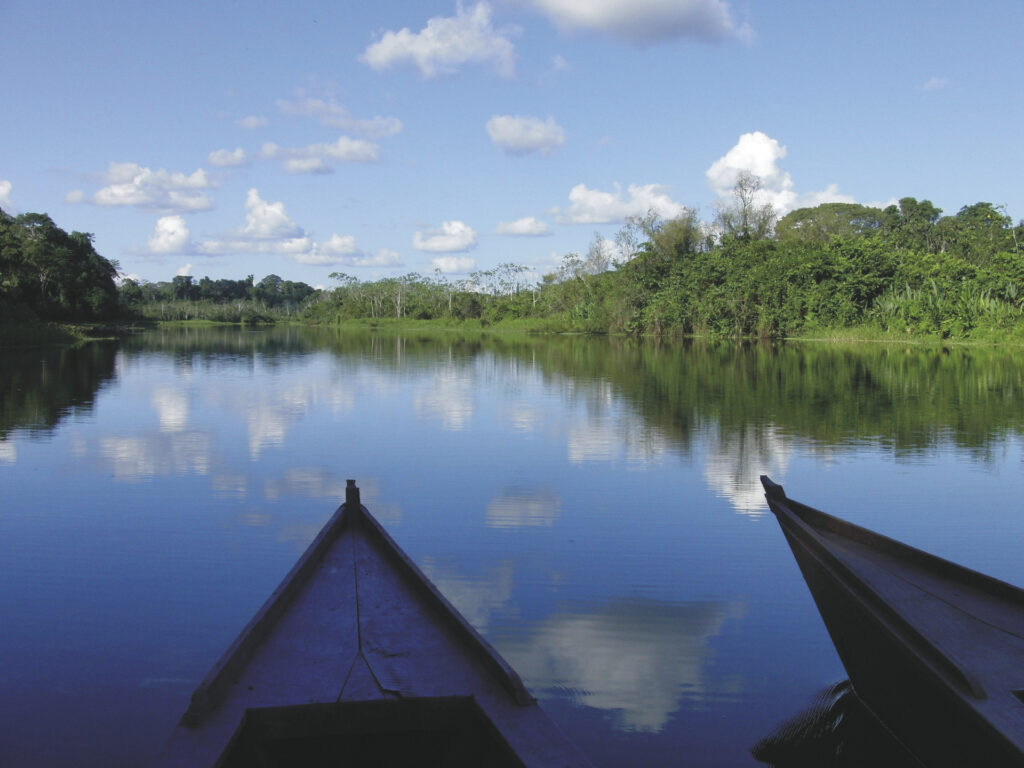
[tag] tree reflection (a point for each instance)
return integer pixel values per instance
(40, 387)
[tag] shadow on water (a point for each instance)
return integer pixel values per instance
(836, 731)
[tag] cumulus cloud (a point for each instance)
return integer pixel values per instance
(252, 122)
(317, 158)
(445, 44)
(184, 271)
(453, 264)
(758, 154)
(528, 225)
(518, 135)
(453, 236)
(227, 158)
(5, 192)
(170, 236)
(647, 21)
(269, 229)
(334, 115)
(160, 190)
(592, 206)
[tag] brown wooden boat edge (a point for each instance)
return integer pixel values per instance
(800, 522)
(218, 680)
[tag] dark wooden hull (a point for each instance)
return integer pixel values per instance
(357, 658)
(935, 650)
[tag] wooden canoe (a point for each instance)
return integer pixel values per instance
(357, 659)
(933, 649)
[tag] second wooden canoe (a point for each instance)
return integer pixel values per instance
(933, 649)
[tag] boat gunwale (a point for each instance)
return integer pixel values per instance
(815, 519)
(795, 524)
(211, 691)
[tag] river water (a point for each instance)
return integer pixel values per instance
(592, 506)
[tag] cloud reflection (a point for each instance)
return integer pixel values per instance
(475, 599)
(521, 507)
(449, 397)
(175, 453)
(307, 482)
(171, 408)
(636, 658)
(738, 457)
(8, 453)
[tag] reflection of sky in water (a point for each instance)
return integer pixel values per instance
(447, 395)
(475, 598)
(142, 456)
(518, 507)
(637, 658)
(601, 552)
(735, 460)
(172, 408)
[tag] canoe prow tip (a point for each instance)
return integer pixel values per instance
(352, 494)
(772, 489)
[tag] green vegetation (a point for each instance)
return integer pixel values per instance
(48, 274)
(838, 269)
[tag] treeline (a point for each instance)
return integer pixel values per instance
(231, 301)
(904, 269)
(47, 273)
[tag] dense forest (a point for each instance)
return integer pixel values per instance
(905, 269)
(49, 274)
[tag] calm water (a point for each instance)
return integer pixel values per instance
(591, 506)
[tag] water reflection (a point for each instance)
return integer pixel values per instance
(448, 396)
(137, 457)
(171, 407)
(736, 458)
(635, 658)
(522, 507)
(478, 599)
(40, 387)
(836, 731)
(309, 482)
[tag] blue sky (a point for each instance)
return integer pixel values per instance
(225, 139)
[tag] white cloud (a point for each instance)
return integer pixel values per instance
(453, 264)
(445, 44)
(326, 258)
(226, 158)
(183, 271)
(269, 229)
(5, 192)
(252, 122)
(518, 135)
(267, 220)
(170, 236)
(935, 84)
(453, 236)
(528, 225)
(316, 158)
(647, 21)
(162, 191)
(333, 115)
(759, 154)
(339, 246)
(592, 206)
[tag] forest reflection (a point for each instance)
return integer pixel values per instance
(739, 408)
